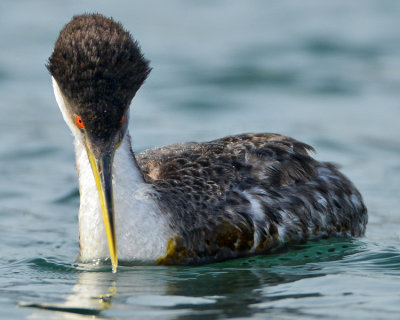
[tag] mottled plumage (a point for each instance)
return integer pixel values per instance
(248, 194)
(186, 203)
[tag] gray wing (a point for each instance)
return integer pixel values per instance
(276, 158)
(247, 194)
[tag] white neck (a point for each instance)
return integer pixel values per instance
(142, 232)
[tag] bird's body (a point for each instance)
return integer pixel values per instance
(247, 194)
(202, 202)
(191, 202)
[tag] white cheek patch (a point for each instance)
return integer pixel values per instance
(62, 104)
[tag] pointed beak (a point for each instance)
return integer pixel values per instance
(102, 170)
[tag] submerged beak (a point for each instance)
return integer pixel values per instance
(102, 171)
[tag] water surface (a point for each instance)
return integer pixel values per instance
(325, 73)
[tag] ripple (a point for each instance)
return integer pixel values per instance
(4, 75)
(51, 264)
(61, 308)
(250, 76)
(378, 259)
(169, 301)
(23, 154)
(326, 46)
(299, 255)
(70, 197)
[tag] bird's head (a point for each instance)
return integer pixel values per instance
(97, 68)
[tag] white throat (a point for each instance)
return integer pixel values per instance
(141, 229)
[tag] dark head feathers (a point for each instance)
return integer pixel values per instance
(98, 67)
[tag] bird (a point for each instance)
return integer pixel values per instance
(187, 203)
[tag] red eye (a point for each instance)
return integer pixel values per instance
(122, 119)
(79, 122)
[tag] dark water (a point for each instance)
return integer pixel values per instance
(327, 73)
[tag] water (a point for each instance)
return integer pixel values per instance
(325, 73)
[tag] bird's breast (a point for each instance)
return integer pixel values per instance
(141, 229)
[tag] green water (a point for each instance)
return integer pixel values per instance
(327, 73)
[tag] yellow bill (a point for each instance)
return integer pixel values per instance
(102, 171)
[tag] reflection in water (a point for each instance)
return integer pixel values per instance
(239, 288)
(92, 294)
